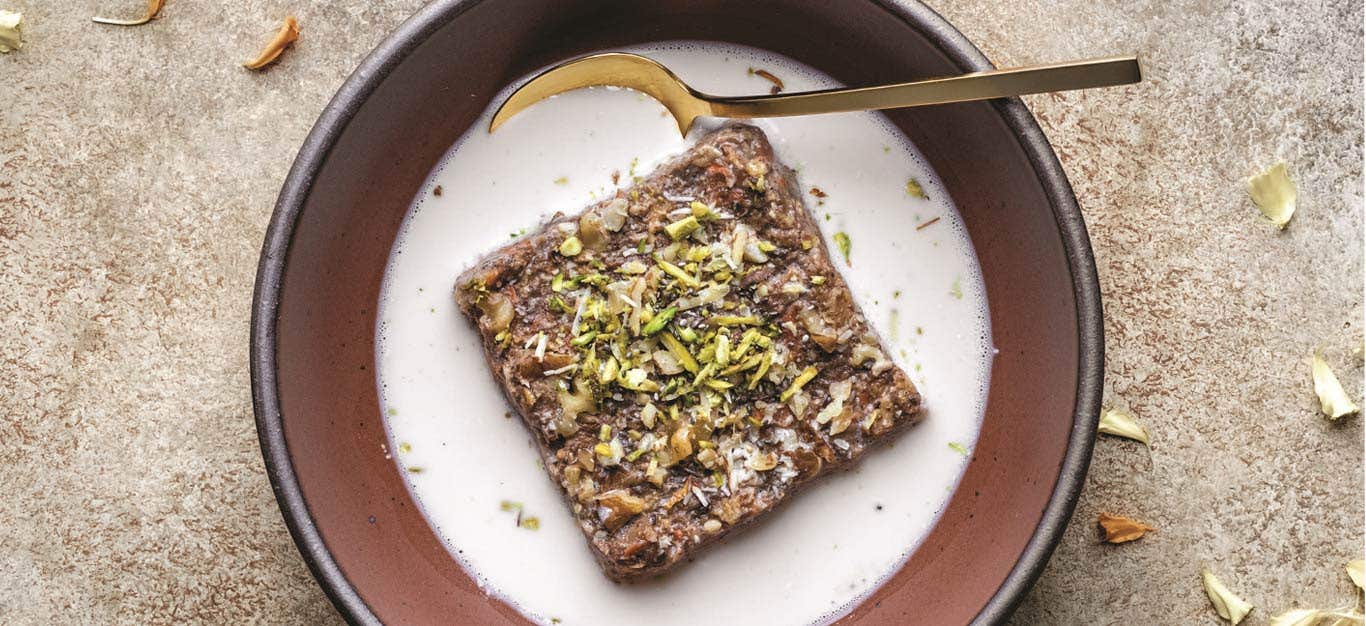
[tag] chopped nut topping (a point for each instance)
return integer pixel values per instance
(844, 244)
(571, 246)
(914, 189)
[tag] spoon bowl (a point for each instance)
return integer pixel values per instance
(617, 69)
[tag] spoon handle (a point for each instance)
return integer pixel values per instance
(1018, 81)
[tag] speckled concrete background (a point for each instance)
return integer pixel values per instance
(138, 168)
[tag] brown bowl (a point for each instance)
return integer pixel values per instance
(312, 341)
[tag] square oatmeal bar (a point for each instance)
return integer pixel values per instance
(685, 353)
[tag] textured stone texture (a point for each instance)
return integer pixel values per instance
(138, 168)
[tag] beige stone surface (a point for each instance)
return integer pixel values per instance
(138, 168)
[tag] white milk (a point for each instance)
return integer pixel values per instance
(834, 543)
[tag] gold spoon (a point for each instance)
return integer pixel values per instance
(687, 104)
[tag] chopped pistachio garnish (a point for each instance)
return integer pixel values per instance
(288, 33)
(637, 379)
(844, 244)
(405, 447)
(678, 272)
(958, 447)
(682, 228)
(818, 280)
(509, 506)
(558, 305)
(559, 283)
(799, 382)
(913, 188)
(680, 352)
(530, 523)
(1119, 529)
(571, 246)
(11, 37)
(1274, 194)
(415, 470)
(563, 180)
(700, 210)
(1345, 616)
(1226, 604)
(153, 7)
(1333, 399)
(1120, 424)
(1356, 570)
(659, 321)
(956, 289)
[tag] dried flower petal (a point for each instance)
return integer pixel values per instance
(289, 31)
(1229, 606)
(10, 37)
(768, 76)
(1332, 398)
(1119, 529)
(1355, 572)
(1274, 194)
(1120, 424)
(153, 7)
(1316, 617)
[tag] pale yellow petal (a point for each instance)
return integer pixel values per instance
(1274, 194)
(1228, 605)
(10, 37)
(1296, 617)
(1333, 398)
(1316, 617)
(1120, 424)
(1356, 570)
